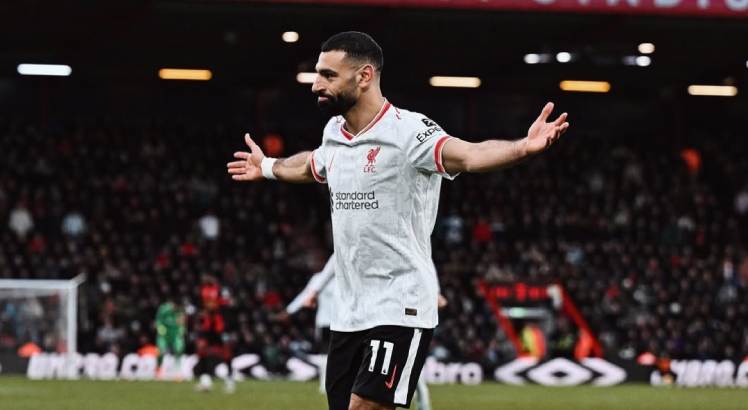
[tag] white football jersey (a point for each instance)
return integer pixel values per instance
(384, 188)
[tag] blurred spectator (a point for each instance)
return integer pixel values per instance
(209, 226)
(692, 158)
(453, 225)
(482, 231)
(73, 224)
(108, 336)
(20, 221)
(28, 349)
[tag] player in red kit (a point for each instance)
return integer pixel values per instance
(212, 348)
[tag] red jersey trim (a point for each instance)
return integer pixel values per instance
(438, 152)
(346, 134)
(373, 122)
(316, 176)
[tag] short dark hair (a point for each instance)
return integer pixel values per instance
(357, 45)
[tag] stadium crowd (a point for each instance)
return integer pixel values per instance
(648, 239)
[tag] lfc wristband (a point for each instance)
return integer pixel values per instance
(267, 167)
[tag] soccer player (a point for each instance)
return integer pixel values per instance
(211, 347)
(170, 331)
(318, 292)
(383, 166)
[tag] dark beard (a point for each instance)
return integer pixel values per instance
(336, 105)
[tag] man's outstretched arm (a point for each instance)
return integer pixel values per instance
(462, 156)
(254, 166)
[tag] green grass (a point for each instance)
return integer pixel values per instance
(20, 394)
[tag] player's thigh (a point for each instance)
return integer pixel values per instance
(343, 362)
(161, 341)
(178, 345)
(360, 403)
(391, 365)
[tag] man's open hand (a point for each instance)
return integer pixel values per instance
(542, 134)
(248, 168)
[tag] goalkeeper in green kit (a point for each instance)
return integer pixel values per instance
(170, 331)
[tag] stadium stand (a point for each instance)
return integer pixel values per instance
(649, 239)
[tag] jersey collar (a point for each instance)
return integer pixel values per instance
(386, 106)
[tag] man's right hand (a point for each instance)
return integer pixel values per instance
(311, 301)
(281, 316)
(248, 168)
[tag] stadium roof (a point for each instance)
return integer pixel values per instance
(241, 43)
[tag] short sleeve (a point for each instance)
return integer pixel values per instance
(318, 161)
(426, 142)
(317, 164)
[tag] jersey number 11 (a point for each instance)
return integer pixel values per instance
(388, 347)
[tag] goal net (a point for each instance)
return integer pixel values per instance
(40, 314)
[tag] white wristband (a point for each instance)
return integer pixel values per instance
(267, 167)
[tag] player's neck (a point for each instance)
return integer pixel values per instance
(361, 114)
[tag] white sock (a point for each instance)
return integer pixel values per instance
(206, 382)
(322, 376)
(424, 401)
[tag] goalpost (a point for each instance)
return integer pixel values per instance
(41, 311)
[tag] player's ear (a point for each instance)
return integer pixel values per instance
(366, 74)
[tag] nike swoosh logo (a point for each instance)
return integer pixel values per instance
(392, 379)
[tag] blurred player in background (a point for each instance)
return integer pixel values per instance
(212, 349)
(383, 166)
(171, 326)
(319, 293)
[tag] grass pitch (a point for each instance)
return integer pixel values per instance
(18, 393)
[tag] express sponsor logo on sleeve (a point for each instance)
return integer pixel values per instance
(433, 129)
